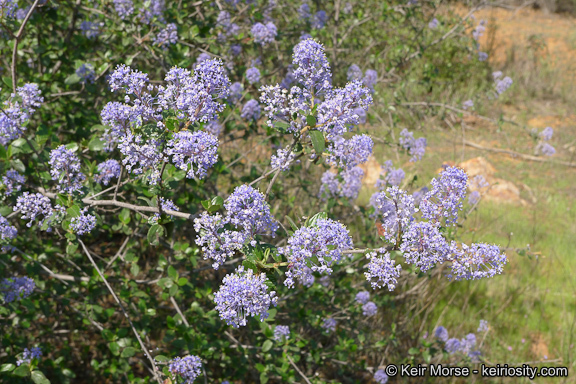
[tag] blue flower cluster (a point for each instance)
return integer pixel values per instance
(349, 186)
(247, 215)
(188, 368)
(16, 288)
(415, 147)
(243, 294)
(17, 111)
(315, 249)
(28, 355)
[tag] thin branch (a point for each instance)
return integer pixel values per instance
(298, 369)
(17, 40)
(173, 301)
(142, 346)
(520, 155)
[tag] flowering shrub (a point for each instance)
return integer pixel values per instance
(179, 185)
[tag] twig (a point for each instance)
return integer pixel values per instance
(520, 155)
(142, 346)
(179, 311)
(298, 369)
(17, 40)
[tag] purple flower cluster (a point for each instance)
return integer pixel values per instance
(393, 176)
(167, 36)
(213, 127)
(7, 7)
(253, 75)
(194, 152)
(16, 288)
(243, 294)
(433, 24)
(444, 200)
(329, 324)
(28, 355)
(350, 153)
(7, 231)
(349, 188)
(236, 90)
(83, 224)
(217, 243)
(86, 73)
(424, 246)
(247, 212)
(441, 334)
(381, 377)
(65, 169)
(370, 76)
(33, 205)
(464, 346)
(282, 159)
(476, 261)
(543, 147)
(354, 73)
(189, 368)
(381, 270)
(108, 170)
(369, 309)
(363, 297)
(264, 34)
(483, 327)
(315, 249)
(123, 8)
(319, 20)
(192, 96)
(312, 67)
(281, 332)
(151, 9)
(17, 111)
(467, 104)
(501, 84)
(477, 183)
(90, 29)
(395, 210)
(251, 110)
(12, 181)
(479, 30)
(415, 147)
(336, 114)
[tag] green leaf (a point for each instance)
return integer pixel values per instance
(263, 378)
(22, 371)
(217, 201)
(72, 146)
(154, 233)
(250, 265)
(114, 348)
(18, 165)
(7, 367)
(162, 358)
(71, 248)
(96, 144)
(173, 273)
(182, 281)
(266, 346)
(73, 211)
(206, 204)
(134, 269)
(172, 124)
(413, 351)
(311, 120)
(128, 352)
(124, 215)
(39, 378)
(72, 79)
(312, 221)
(317, 138)
(292, 223)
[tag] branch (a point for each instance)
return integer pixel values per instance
(17, 40)
(520, 155)
(158, 379)
(298, 369)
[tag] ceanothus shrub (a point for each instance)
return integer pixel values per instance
(153, 155)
